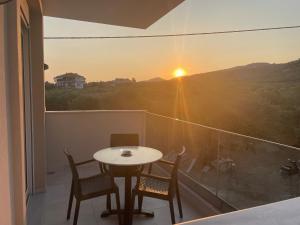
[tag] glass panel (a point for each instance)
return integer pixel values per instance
(251, 174)
(243, 171)
(170, 135)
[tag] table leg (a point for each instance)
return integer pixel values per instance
(127, 207)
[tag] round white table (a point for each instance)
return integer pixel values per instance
(138, 156)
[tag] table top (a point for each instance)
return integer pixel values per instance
(139, 156)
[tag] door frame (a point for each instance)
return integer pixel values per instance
(27, 107)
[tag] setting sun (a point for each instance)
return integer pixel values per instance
(179, 72)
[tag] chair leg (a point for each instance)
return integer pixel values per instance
(140, 202)
(118, 207)
(172, 210)
(132, 206)
(70, 201)
(179, 201)
(108, 202)
(76, 212)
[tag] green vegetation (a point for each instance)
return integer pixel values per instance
(261, 100)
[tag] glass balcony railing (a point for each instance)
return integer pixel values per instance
(242, 171)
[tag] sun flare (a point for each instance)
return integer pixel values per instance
(179, 72)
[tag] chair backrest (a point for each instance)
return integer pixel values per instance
(177, 162)
(72, 165)
(117, 140)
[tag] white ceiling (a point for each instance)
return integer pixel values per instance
(129, 13)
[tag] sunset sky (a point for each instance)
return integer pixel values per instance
(147, 58)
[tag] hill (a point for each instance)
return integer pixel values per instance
(260, 99)
(155, 79)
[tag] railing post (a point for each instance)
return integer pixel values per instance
(145, 128)
(218, 164)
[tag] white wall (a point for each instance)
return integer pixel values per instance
(12, 157)
(5, 193)
(16, 11)
(85, 132)
(15, 111)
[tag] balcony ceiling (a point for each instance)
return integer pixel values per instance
(128, 13)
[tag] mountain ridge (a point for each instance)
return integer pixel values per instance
(260, 100)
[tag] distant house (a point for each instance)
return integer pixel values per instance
(122, 81)
(70, 80)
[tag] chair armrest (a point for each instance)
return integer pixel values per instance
(166, 179)
(160, 161)
(85, 162)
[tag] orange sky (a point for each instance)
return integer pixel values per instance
(148, 58)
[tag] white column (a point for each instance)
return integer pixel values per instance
(5, 192)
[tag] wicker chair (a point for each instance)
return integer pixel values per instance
(89, 187)
(164, 188)
(117, 140)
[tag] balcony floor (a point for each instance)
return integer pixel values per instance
(50, 208)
